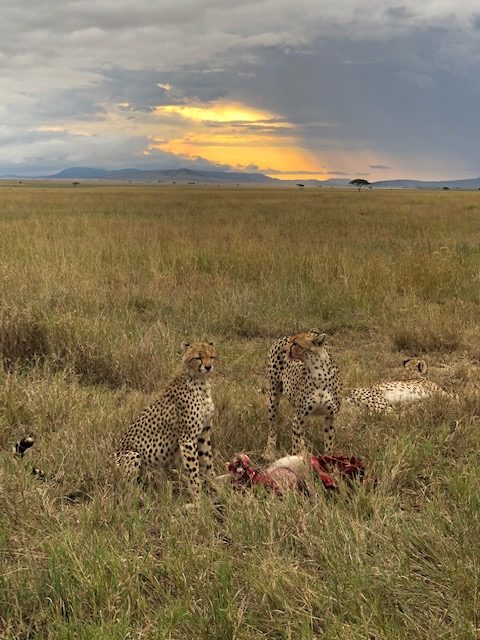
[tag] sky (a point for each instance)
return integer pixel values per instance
(305, 89)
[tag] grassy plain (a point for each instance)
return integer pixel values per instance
(99, 286)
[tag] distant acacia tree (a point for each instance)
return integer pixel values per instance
(360, 182)
(300, 185)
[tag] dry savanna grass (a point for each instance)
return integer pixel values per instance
(99, 286)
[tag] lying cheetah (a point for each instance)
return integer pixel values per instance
(178, 422)
(381, 397)
(300, 368)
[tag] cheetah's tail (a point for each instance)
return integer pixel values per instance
(19, 450)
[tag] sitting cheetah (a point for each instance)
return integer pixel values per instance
(178, 422)
(300, 368)
(381, 397)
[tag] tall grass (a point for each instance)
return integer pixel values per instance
(99, 285)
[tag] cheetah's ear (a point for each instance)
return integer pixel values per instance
(212, 344)
(184, 346)
(320, 340)
(406, 361)
(422, 367)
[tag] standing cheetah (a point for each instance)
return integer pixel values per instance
(381, 397)
(300, 368)
(178, 422)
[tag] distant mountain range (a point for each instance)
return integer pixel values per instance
(185, 176)
(193, 176)
(153, 175)
(470, 183)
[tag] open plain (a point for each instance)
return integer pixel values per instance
(99, 285)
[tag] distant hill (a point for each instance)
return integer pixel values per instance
(79, 172)
(334, 182)
(152, 175)
(470, 183)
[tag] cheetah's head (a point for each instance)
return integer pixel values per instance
(304, 346)
(414, 368)
(199, 358)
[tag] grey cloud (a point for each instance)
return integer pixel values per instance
(420, 79)
(36, 152)
(400, 12)
(360, 61)
(167, 33)
(140, 89)
(379, 166)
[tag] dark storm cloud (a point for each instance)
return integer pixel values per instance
(419, 93)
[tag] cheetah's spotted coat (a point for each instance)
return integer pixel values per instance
(382, 397)
(178, 422)
(301, 368)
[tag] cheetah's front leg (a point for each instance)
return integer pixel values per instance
(205, 453)
(273, 402)
(298, 435)
(329, 434)
(189, 454)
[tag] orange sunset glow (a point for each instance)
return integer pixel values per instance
(238, 135)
